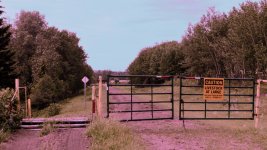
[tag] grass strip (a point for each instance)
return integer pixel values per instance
(112, 135)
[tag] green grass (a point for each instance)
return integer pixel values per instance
(108, 134)
(70, 107)
(75, 107)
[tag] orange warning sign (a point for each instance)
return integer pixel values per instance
(213, 89)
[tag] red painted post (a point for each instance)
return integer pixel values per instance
(93, 109)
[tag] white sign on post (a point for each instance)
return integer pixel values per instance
(85, 80)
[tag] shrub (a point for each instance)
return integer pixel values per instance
(43, 92)
(48, 90)
(53, 109)
(10, 117)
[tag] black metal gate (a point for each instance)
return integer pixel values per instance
(140, 97)
(238, 103)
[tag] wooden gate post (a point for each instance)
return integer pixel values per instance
(29, 108)
(257, 110)
(257, 104)
(99, 103)
(17, 93)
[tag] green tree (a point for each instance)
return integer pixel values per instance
(27, 26)
(7, 62)
(46, 53)
(202, 45)
(172, 59)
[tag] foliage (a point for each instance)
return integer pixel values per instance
(232, 45)
(44, 92)
(7, 62)
(46, 53)
(162, 59)
(53, 110)
(107, 134)
(10, 116)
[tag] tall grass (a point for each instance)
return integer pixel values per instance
(3, 136)
(108, 134)
(48, 127)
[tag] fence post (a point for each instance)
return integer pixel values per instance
(26, 107)
(93, 99)
(17, 92)
(257, 104)
(99, 103)
(29, 108)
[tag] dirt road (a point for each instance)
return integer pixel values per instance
(60, 139)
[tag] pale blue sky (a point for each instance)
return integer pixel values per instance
(112, 32)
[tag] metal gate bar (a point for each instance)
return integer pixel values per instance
(152, 93)
(229, 102)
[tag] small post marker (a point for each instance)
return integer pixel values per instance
(85, 80)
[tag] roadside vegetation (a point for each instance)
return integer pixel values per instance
(47, 128)
(4, 135)
(10, 116)
(50, 111)
(108, 134)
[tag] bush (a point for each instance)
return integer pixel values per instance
(10, 117)
(53, 109)
(43, 92)
(47, 91)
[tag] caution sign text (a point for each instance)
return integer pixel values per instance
(213, 89)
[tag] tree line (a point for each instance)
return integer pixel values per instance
(229, 44)
(47, 60)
